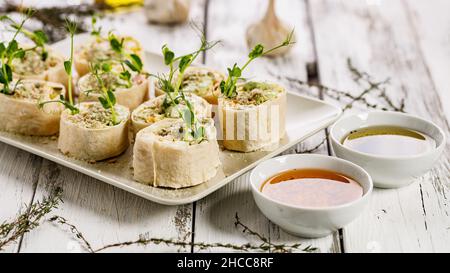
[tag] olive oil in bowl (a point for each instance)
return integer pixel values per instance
(390, 141)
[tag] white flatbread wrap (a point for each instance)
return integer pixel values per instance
(130, 97)
(20, 111)
(33, 67)
(90, 135)
(154, 110)
(161, 158)
(98, 49)
(255, 118)
(202, 81)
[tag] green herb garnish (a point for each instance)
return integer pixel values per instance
(228, 87)
(38, 37)
(71, 27)
(107, 97)
(172, 88)
(96, 31)
(9, 52)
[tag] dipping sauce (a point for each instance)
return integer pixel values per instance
(312, 188)
(389, 141)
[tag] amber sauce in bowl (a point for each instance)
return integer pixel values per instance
(312, 188)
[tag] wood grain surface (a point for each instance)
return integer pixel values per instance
(407, 41)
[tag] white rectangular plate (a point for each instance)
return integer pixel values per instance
(305, 116)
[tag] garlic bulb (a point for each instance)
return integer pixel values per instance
(270, 32)
(167, 11)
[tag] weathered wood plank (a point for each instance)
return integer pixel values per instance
(431, 26)
(227, 21)
(19, 173)
(380, 39)
(103, 213)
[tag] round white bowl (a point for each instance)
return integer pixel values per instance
(309, 222)
(388, 171)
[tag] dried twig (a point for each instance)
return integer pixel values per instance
(29, 219)
(62, 221)
(361, 77)
(53, 18)
(265, 245)
(364, 78)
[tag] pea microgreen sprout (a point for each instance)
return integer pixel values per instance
(9, 52)
(38, 37)
(96, 31)
(228, 87)
(172, 88)
(71, 27)
(126, 76)
(107, 98)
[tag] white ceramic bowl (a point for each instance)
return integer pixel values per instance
(304, 221)
(388, 172)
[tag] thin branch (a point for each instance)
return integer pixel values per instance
(359, 76)
(265, 245)
(363, 77)
(29, 219)
(62, 221)
(53, 18)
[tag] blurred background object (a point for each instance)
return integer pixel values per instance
(167, 11)
(270, 31)
(119, 3)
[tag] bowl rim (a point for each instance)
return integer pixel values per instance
(390, 158)
(327, 208)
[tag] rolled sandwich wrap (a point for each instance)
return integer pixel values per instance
(90, 134)
(255, 118)
(202, 81)
(162, 158)
(20, 111)
(130, 97)
(159, 108)
(99, 49)
(34, 66)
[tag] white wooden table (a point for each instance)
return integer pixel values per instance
(407, 41)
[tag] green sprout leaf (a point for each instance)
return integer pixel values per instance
(115, 44)
(111, 97)
(13, 46)
(125, 75)
(39, 37)
(2, 48)
(134, 63)
(68, 67)
(96, 31)
(168, 55)
(185, 62)
(104, 102)
(106, 66)
(256, 52)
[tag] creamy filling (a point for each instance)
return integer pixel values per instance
(94, 116)
(253, 94)
(150, 112)
(178, 131)
(100, 49)
(35, 91)
(111, 80)
(200, 82)
(161, 108)
(33, 64)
